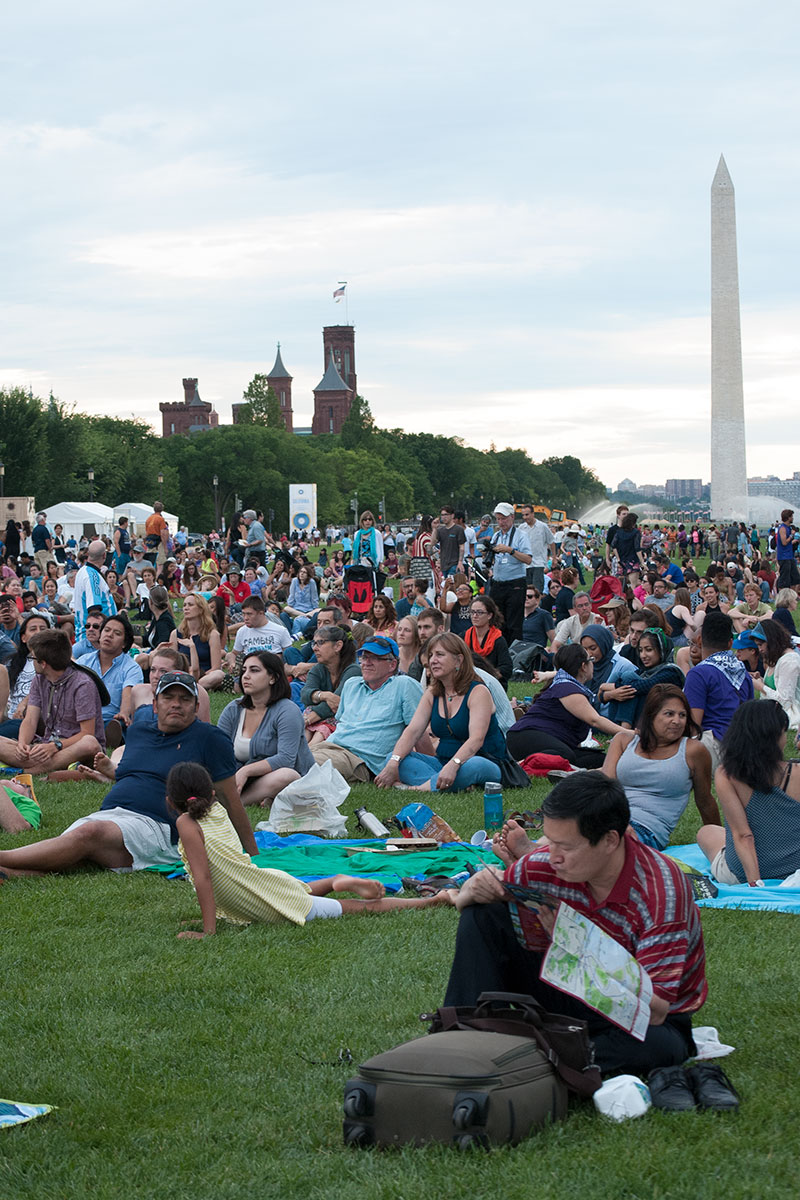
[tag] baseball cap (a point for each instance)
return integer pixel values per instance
(505, 510)
(745, 641)
(381, 646)
(758, 633)
(177, 679)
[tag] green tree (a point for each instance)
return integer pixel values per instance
(359, 427)
(262, 404)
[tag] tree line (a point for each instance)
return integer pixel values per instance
(48, 449)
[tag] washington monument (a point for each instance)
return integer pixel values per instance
(728, 467)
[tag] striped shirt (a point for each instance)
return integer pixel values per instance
(650, 911)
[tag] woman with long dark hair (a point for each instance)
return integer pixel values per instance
(760, 796)
(266, 729)
(659, 764)
(782, 679)
(19, 676)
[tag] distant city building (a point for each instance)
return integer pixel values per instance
(651, 489)
(787, 490)
(626, 485)
(193, 415)
(679, 489)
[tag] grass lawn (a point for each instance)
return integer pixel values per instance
(203, 1069)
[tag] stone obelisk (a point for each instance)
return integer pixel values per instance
(728, 466)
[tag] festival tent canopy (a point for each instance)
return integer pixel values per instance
(88, 518)
(137, 514)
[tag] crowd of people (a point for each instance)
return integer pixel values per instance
(391, 659)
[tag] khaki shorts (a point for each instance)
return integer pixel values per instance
(722, 872)
(354, 769)
(712, 745)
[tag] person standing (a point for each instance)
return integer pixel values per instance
(90, 589)
(122, 546)
(788, 574)
(42, 543)
(256, 537)
(509, 570)
(451, 540)
(156, 535)
(541, 543)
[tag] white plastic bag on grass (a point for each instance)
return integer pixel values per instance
(311, 804)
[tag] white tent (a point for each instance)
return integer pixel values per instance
(88, 518)
(137, 514)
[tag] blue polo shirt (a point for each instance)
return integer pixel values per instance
(123, 672)
(674, 573)
(141, 782)
(369, 722)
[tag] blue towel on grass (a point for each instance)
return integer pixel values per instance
(770, 897)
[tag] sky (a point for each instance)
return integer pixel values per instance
(517, 197)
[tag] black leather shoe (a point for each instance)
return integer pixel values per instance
(711, 1087)
(670, 1089)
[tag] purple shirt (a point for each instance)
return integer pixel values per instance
(707, 688)
(63, 705)
(548, 715)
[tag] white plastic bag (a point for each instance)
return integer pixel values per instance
(622, 1097)
(311, 804)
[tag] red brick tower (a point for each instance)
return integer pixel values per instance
(281, 383)
(192, 416)
(332, 400)
(340, 340)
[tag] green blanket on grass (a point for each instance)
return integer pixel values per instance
(322, 859)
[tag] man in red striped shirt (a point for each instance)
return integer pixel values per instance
(633, 893)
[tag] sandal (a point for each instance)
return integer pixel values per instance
(430, 886)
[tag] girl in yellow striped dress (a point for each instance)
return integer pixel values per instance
(228, 883)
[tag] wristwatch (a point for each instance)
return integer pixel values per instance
(456, 760)
(57, 742)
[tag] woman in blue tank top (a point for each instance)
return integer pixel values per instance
(760, 796)
(460, 711)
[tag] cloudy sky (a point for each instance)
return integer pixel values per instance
(517, 197)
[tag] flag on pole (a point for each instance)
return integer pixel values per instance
(337, 295)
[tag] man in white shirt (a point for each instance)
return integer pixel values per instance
(541, 543)
(257, 633)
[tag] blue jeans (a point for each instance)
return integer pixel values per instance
(419, 768)
(299, 624)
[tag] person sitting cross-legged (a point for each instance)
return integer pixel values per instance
(68, 700)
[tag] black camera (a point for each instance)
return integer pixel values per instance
(488, 553)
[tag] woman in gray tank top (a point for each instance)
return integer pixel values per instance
(660, 764)
(760, 796)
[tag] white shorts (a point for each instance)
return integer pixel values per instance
(323, 906)
(147, 841)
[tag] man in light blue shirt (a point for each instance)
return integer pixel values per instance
(256, 537)
(118, 671)
(373, 712)
(509, 571)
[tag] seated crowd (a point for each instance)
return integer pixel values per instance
(407, 687)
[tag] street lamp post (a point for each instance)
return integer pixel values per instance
(2, 480)
(215, 482)
(161, 486)
(91, 485)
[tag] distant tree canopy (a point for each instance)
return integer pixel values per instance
(262, 406)
(48, 450)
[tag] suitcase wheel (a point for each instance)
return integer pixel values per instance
(470, 1108)
(471, 1141)
(358, 1135)
(359, 1100)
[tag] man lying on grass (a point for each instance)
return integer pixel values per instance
(134, 829)
(633, 893)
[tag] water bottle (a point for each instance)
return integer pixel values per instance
(493, 807)
(370, 823)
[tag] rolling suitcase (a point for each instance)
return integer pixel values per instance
(465, 1088)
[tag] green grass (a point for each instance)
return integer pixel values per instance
(181, 1069)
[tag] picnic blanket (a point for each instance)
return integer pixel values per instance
(770, 897)
(15, 1112)
(308, 858)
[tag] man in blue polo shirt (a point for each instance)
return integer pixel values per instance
(134, 828)
(372, 713)
(719, 684)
